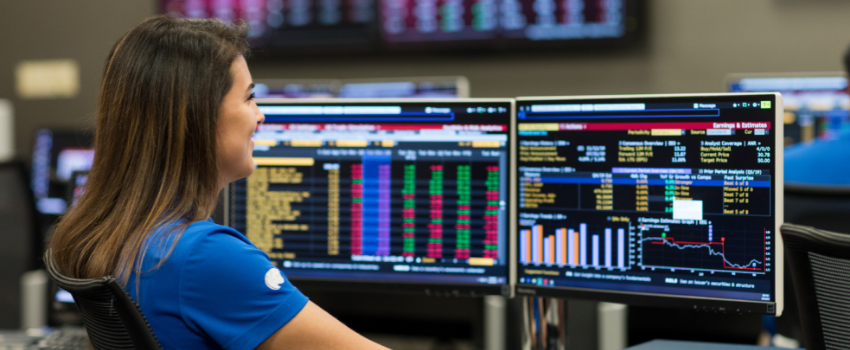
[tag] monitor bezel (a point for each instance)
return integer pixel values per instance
(721, 305)
(417, 288)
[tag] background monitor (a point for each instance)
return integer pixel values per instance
(76, 186)
(296, 88)
(817, 125)
(297, 26)
(412, 87)
(655, 200)
(292, 26)
(56, 155)
(408, 87)
(506, 23)
(816, 105)
(382, 195)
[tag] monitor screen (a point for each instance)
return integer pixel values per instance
(817, 106)
(76, 186)
(411, 87)
(431, 23)
(56, 156)
(408, 195)
(657, 200)
(296, 88)
(285, 27)
(415, 87)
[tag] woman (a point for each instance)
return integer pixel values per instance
(174, 124)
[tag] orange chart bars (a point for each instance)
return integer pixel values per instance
(533, 246)
(568, 247)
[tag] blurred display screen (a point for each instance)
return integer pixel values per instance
(422, 87)
(816, 107)
(294, 88)
(474, 20)
(410, 87)
(56, 156)
(368, 25)
(288, 23)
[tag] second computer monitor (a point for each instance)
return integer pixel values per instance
(382, 195)
(657, 200)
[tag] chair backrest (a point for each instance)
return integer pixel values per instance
(820, 266)
(20, 239)
(111, 317)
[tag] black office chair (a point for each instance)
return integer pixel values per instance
(820, 266)
(111, 318)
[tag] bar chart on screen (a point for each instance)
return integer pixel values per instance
(589, 246)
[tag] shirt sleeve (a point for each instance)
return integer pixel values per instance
(231, 292)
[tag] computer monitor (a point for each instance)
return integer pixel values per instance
(507, 23)
(56, 155)
(296, 88)
(411, 87)
(654, 200)
(382, 195)
(76, 186)
(817, 106)
(278, 27)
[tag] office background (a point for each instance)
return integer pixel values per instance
(686, 46)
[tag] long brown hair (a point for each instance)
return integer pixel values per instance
(155, 143)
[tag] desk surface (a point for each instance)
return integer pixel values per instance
(692, 345)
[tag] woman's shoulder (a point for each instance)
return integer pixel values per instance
(201, 237)
(208, 234)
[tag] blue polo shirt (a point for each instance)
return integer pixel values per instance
(215, 291)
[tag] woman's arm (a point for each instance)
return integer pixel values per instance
(314, 328)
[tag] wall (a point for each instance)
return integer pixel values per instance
(690, 45)
(48, 29)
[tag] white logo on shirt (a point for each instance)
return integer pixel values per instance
(274, 279)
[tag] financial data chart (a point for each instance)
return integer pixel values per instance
(659, 196)
(392, 192)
